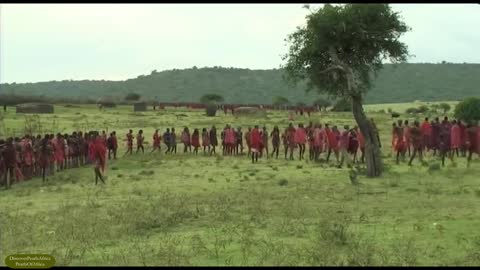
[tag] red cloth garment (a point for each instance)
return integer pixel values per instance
(455, 134)
(344, 140)
(100, 153)
(255, 139)
(196, 140)
(230, 136)
(156, 140)
(28, 152)
(300, 136)
(331, 139)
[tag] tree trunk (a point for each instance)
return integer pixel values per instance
(373, 156)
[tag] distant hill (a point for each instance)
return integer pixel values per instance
(395, 83)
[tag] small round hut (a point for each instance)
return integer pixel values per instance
(139, 106)
(34, 108)
(250, 111)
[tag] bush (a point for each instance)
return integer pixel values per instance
(132, 97)
(412, 111)
(422, 109)
(468, 110)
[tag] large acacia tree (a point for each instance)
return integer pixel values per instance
(339, 52)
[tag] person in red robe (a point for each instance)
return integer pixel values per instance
(264, 142)
(205, 141)
(361, 143)
(301, 140)
(59, 152)
(156, 141)
(28, 156)
(256, 141)
(473, 141)
(291, 131)
(426, 129)
(51, 170)
(195, 141)
(455, 138)
(343, 144)
(185, 138)
(129, 142)
(332, 142)
(417, 138)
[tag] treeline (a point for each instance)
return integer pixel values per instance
(395, 83)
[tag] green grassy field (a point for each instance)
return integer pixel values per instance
(200, 210)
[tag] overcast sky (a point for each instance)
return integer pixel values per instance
(40, 42)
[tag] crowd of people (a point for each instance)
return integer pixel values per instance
(23, 158)
(443, 139)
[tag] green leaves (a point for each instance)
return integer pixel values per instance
(360, 36)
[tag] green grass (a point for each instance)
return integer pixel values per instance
(201, 210)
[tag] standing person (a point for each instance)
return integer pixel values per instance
(111, 146)
(319, 140)
(301, 140)
(129, 142)
(343, 144)
(310, 140)
(205, 141)
(417, 137)
(173, 141)
(167, 140)
(401, 131)
(46, 150)
(353, 144)
(60, 152)
(285, 142)
(213, 139)
(185, 137)
(394, 137)
(9, 155)
(472, 142)
(256, 141)
(140, 139)
(361, 143)
(264, 142)
(426, 134)
(230, 139)
(463, 138)
(435, 135)
(446, 128)
(195, 140)
(275, 141)
(239, 141)
(115, 144)
(156, 141)
(52, 155)
(222, 138)
(399, 143)
(28, 156)
(99, 153)
(332, 142)
(406, 132)
(291, 131)
(247, 140)
(456, 138)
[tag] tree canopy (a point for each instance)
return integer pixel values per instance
(132, 97)
(468, 110)
(279, 100)
(209, 98)
(359, 36)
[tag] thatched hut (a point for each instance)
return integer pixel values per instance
(34, 108)
(139, 107)
(250, 111)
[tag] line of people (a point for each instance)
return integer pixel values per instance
(319, 139)
(24, 158)
(442, 139)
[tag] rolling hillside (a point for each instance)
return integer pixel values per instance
(395, 83)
